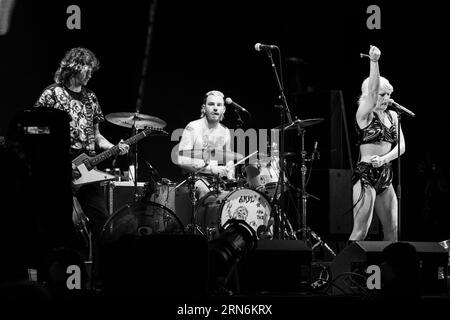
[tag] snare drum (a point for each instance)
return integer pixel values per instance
(214, 209)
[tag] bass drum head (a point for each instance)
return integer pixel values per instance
(141, 219)
(248, 205)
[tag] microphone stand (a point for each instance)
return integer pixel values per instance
(151, 18)
(239, 121)
(284, 111)
(399, 187)
(136, 195)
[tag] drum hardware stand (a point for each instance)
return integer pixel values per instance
(135, 169)
(286, 230)
(308, 233)
(217, 180)
(191, 179)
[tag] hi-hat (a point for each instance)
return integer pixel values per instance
(301, 123)
(212, 154)
(138, 120)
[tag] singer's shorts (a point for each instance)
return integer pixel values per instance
(378, 178)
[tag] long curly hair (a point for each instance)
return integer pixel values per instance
(73, 62)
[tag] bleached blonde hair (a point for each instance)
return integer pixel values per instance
(384, 84)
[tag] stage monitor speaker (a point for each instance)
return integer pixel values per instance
(332, 215)
(275, 266)
(355, 258)
(151, 265)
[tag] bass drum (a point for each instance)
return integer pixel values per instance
(164, 194)
(214, 209)
(141, 219)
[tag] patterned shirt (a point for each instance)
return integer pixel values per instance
(84, 109)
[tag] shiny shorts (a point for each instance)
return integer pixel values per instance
(378, 178)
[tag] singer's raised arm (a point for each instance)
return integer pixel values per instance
(368, 100)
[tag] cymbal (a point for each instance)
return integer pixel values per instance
(301, 123)
(276, 155)
(139, 120)
(290, 154)
(213, 154)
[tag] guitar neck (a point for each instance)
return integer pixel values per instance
(115, 150)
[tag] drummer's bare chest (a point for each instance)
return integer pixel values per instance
(212, 138)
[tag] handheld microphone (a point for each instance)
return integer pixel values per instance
(234, 104)
(400, 108)
(260, 47)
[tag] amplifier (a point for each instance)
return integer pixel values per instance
(121, 193)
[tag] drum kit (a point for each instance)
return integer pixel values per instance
(254, 196)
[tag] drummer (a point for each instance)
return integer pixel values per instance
(207, 133)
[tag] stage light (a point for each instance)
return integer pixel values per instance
(236, 239)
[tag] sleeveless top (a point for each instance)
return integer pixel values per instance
(377, 131)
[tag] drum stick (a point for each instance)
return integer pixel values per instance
(243, 159)
(191, 175)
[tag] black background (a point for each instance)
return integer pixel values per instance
(200, 46)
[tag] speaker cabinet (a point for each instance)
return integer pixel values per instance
(121, 193)
(433, 263)
(276, 265)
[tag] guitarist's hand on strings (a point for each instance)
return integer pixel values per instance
(123, 147)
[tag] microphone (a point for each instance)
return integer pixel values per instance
(316, 153)
(153, 171)
(234, 104)
(260, 47)
(400, 108)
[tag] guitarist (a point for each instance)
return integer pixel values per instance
(69, 93)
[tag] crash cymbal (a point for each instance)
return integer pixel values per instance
(139, 120)
(213, 154)
(301, 123)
